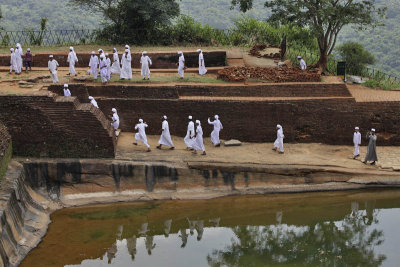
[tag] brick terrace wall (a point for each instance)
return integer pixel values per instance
(160, 60)
(44, 126)
(329, 121)
(83, 91)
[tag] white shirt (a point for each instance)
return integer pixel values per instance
(53, 64)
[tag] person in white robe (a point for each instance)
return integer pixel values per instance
(145, 61)
(165, 138)
(13, 61)
(116, 65)
(72, 59)
(93, 101)
(198, 144)
(93, 63)
(189, 134)
(215, 133)
(129, 49)
(357, 142)
(181, 65)
(18, 54)
(108, 62)
(278, 144)
(141, 134)
(115, 121)
(103, 68)
(53, 66)
(303, 64)
(126, 61)
(202, 66)
(67, 92)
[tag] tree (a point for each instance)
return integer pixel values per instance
(356, 57)
(132, 21)
(325, 18)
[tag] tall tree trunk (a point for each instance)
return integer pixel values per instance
(322, 63)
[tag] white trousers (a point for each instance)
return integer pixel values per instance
(356, 149)
(181, 72)
(54, 77)
(138, 137)
(72, 68)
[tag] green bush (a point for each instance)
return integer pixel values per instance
(382, 84)
(356, 57)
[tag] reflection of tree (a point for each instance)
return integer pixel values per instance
(348, 243)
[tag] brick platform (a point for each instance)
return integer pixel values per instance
(160, 60)
(47, 126)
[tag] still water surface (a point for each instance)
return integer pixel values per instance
(315, 229)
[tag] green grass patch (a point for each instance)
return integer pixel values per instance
(382, 84)
(189, 78)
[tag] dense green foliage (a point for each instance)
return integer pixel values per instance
(324, 18)
(356, 57)
(383, 42)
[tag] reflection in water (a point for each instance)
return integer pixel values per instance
(346, 233)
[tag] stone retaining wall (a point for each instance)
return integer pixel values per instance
(5, 149)
(161, 60)
(47, 126)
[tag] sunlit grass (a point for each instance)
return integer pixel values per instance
(189, 78)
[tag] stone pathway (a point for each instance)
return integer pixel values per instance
(365, 94)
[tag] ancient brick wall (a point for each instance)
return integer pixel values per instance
(160, 60)
(46, 126)
(329, 121)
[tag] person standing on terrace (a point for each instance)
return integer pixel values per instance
(165, 138)
(108, 63)
(181, 65)
(141, 134)
(145, 61)
(93, 63)
(13, 61)
(278, 145)
(198, 144)
(303, 64)
(371, 150)
(215, 133)
(28, 60)
(72, 59)
(67, 92)
(116, 65)
(202, 66)
(356, 142)
(126, 71)
(103, 68)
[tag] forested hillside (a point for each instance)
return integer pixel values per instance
(383, 42)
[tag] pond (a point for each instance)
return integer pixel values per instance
(352, 228)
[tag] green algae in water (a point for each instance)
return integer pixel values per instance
(317, 229)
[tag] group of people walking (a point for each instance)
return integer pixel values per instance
(371, 155)
(193, 139)
(16, 61)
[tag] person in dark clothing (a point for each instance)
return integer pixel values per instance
(371, 150)
(28, 60)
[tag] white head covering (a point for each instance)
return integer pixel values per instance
(93, 53)
(216, 117)
(100, 50)
(140, 120)
(106, 54)
(190, 117)
(356, 128)
(198, 122)
(127, 46)
(144, 52)
(372, 130)
(18, 45)
(71, 48)
(102, 56)
(29, 50)
(126, 50)
(51, 56)
(298, 57)
(91, 97)
(279, 126)
(164, 117)
(66, 85)
(198, 50)
(114, 110)
(12, 49)
(180, 52)
(115, 49)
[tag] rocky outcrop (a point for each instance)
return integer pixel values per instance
(5, 149)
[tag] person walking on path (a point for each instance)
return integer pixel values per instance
(198, 144)
(13, 61)
(93, 64)
(93, 101)
(126, 70)
(116, 65)
(356, 142)
(278, 145)
(141, 134)
(215, 133)
(165, 138)
(371, 150)
(53, 66)
(189, 134)
(115, 121)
